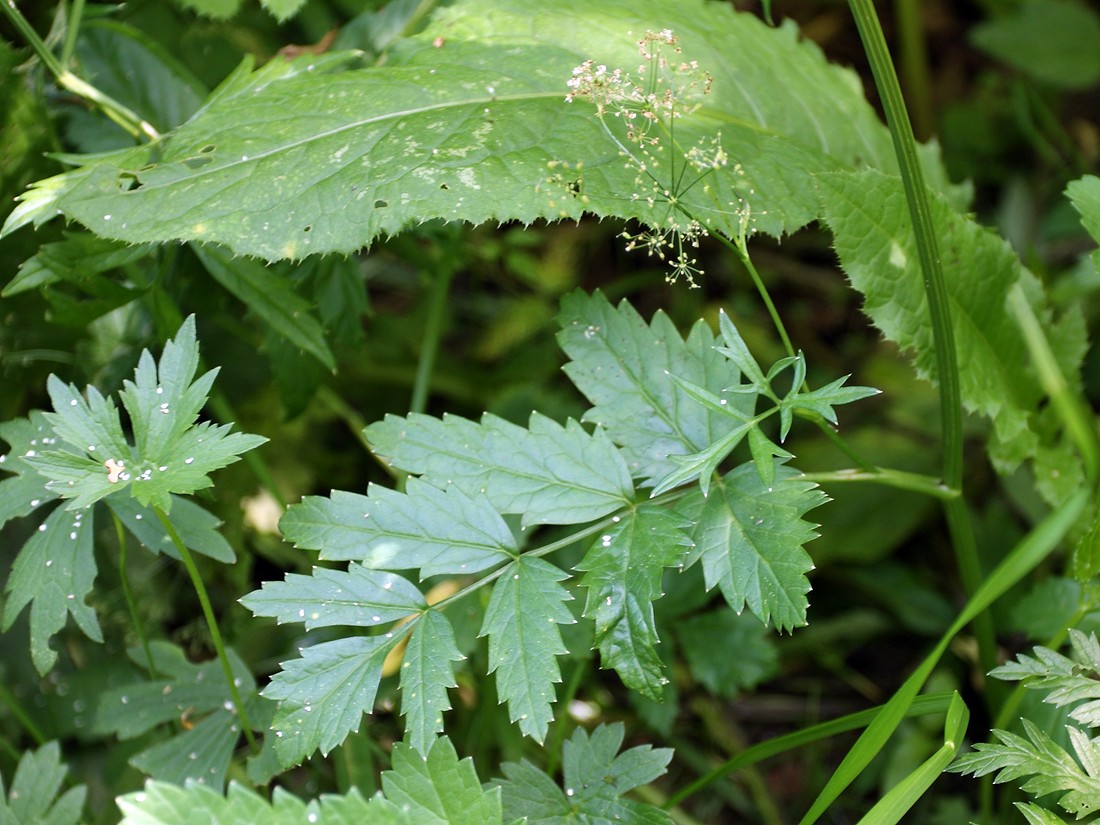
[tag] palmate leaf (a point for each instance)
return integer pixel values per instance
(866, 212)
(595, 775)
(197, 528)
(54, 571)
(749, 538)
(170, 453)
(25, 491)
(183, 690)
(625, 367)
(525, 609)
(548, 473)
(438, 532)
(623, 571)
(465, 132)
(440, 788)
(32, 799)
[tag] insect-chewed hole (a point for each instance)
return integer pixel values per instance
(381, 204)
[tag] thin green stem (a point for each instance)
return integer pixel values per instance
(557, 733)
(223, 411)
(935, 288)
(130, 121)
(72, 29)
(131, 603)
(739, 246)
(913, 56)
(211, 623)
(900, 479)
(9, 701)
(433, 331)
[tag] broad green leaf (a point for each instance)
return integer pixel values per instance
(438, 532)
(625, 367)
(623, 572)
(55, 571)
(426, 673)
(1054, 41)
(595, 776)
(323, 695)
(170, 453)
(356, 597)
(548, 473)
(269, 294)
(439, 788)
(201, 753)
(727, 653)
(521, 621)
(196, 527)
(466, 131)
(32, 798)
(26, 491)
(867, 213)
(749, 538)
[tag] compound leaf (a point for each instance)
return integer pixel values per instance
(522, 619)
(435, 531)
(55, 571)
(26, 491)
(749, 538)
(625, 367)
(426, 673)
(548, 473)
(623, 572)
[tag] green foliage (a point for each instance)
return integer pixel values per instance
(1051, 768)
(32, 798)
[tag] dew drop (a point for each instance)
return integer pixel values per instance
(188, 460)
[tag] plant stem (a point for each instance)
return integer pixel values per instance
(128, 592)
(223, 411)
(900, 479)
(131, 122)
(440, 289)
(68, 48)
(935, 288)
(9, 701)
(211, 623)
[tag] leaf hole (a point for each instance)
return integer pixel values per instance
(381, 204)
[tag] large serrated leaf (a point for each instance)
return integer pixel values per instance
(521, 621)
(623, 572)
(426, 673)
(323, 695)
(55, 571)
(548, 473)
(867, 213)
(625, 367)
(465, 131)
(749, 538)
(438, 532)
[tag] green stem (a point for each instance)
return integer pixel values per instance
(740, 247)
(557, 733)
(223, 411)
(131, 603)
(935, 288)
(211, 623)
(9, 701)
(913, 56)
(900, 479)
(440, 290)
(68, 48)
(131, 122)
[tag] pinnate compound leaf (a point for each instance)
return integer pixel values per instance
(356, 597)
(32, 799)
(426, 673)
(440, 788)
(522, 619)
(337, 169)
(625, 367)
(438, 532)
(867, 213)
(595, 776)
(54, 572)
(623, 572)
(169, 455)
(323, 695)
(749, 538)
(548, 473)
